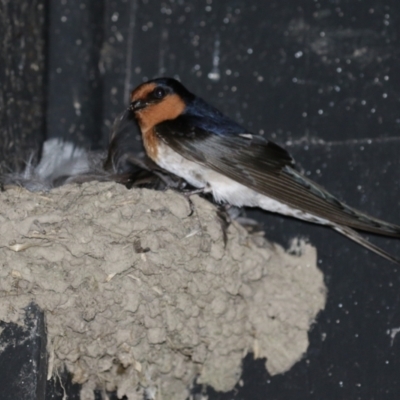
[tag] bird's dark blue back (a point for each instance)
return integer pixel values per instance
(206, 117)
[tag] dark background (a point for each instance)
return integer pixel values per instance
(321, 78)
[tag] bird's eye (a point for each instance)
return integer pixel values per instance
(159, 93)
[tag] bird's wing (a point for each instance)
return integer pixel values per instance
(266, 168)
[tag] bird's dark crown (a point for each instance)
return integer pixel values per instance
(173, 86)
(155, 90)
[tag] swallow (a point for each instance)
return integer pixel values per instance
(186, 136)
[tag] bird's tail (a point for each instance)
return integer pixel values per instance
(367, 223)
(314, 199)
(356, 237)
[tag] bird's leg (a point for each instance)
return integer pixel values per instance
(224, 219)
(204, 190)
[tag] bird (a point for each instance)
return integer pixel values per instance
(188, 137)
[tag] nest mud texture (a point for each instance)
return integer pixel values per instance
(140, 296)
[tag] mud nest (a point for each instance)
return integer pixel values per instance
(140, 296)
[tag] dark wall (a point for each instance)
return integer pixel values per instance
(22, 32)
(75, 81)
(321, 78)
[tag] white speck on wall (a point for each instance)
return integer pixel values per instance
(215, 73)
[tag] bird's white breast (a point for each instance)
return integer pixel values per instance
(223, 188)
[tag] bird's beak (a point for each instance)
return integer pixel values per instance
(137, 105)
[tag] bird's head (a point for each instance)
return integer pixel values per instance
(159, 100)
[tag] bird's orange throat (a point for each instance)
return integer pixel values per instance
(169, 108)
(148, 118)
(151, 143)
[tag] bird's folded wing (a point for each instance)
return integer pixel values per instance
(266, 168)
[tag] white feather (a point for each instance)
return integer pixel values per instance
(59, 160)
